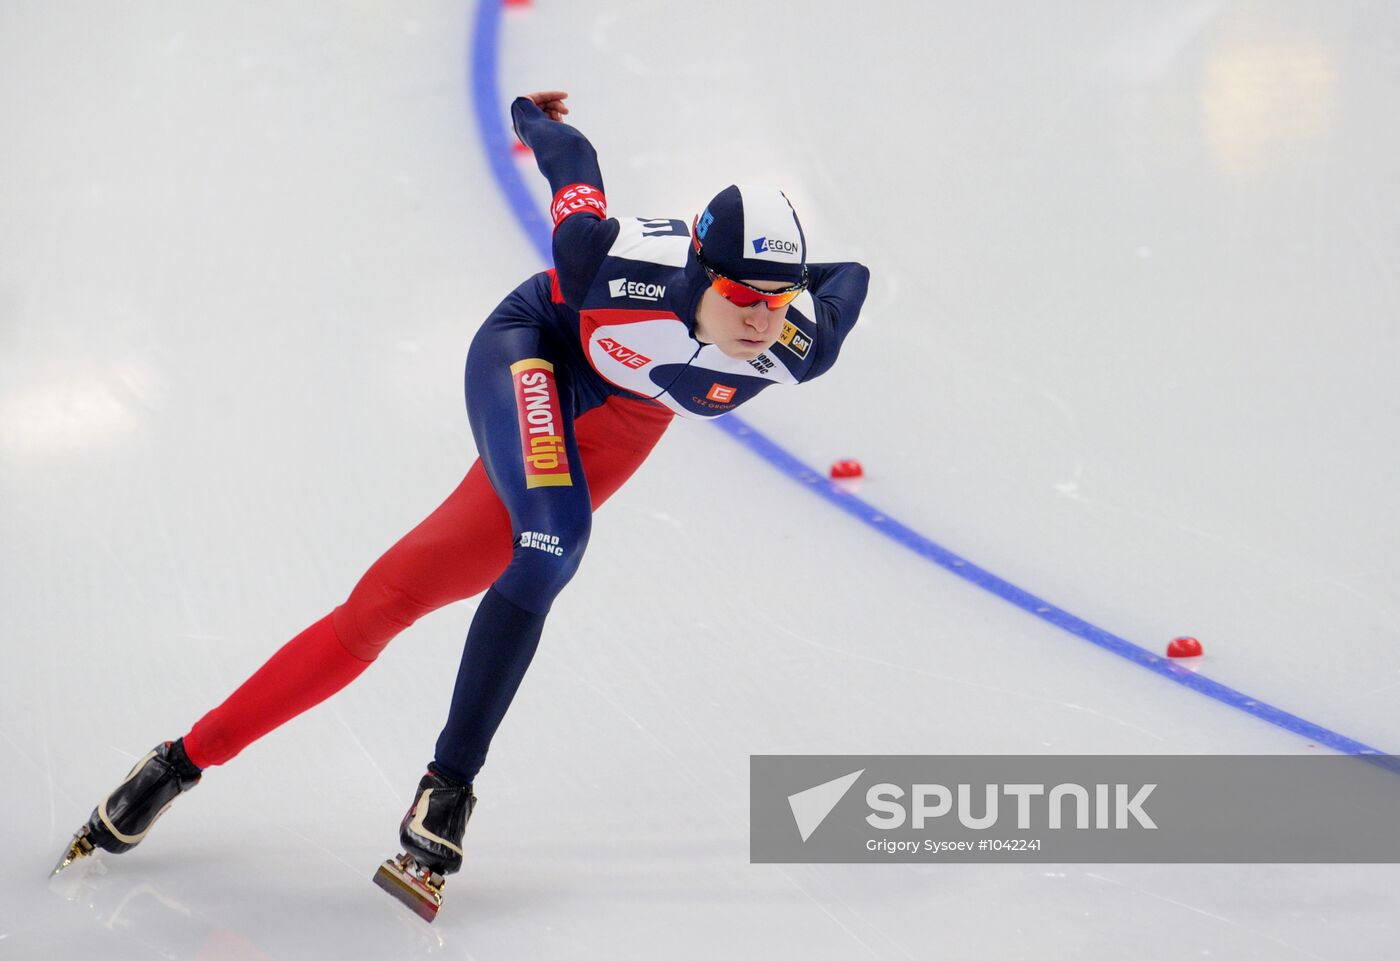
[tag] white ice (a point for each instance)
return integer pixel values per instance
(1131, 344)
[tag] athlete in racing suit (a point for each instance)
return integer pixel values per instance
(570, 382)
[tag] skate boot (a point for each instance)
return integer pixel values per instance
(120, 822)
(431, 835)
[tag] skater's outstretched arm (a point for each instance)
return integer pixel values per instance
(838, 292)
(582, 231)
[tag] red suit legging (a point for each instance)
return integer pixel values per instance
(455, 553)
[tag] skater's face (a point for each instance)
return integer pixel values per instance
(740, 332)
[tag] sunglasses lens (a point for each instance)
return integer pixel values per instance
(742, 296)
(736, 294)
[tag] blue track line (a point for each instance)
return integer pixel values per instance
(494, 128)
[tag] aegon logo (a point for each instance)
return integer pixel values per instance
(635, 289)
(775, 246)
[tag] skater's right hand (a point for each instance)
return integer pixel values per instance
(551, 102)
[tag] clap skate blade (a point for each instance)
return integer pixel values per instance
(80, 847)
(415, 886)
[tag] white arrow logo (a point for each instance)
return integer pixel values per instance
(810, 807)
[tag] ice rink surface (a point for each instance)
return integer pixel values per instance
(1131, 344)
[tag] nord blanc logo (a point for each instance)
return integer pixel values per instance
(622, 287)
(810, 807)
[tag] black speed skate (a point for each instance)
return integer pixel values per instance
(121, 821)
(431, 835)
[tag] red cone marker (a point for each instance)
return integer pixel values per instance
(1184, 647)
(846, 468)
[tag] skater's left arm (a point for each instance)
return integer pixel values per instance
(583, 234)
(838, 292)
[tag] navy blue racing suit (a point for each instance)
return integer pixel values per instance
(615, 317)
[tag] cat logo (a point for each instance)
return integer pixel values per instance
(721, 394)
(794, 340)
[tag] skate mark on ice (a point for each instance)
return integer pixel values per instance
(389, 785)
(52, 789)
(974, 685)
(682, 766)
(1208, 914)
(837, 921)
(356, 871)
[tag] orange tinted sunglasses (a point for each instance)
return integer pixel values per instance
(741, 294)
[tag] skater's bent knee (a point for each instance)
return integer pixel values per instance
(542, 566)
(351, 637)
(374, 616)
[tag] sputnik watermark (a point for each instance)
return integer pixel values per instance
(1073, 809)
(1112, 806)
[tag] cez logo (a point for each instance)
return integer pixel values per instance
(703, 227)
(772, 245)
(622, 287)
(721, 393)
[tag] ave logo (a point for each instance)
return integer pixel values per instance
(636, 289)
(625, 356)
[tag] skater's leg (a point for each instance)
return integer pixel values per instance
(454, 553)
(614, 439)
(550, 520)
(464, 545)
(522, 417)
(308, 669)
